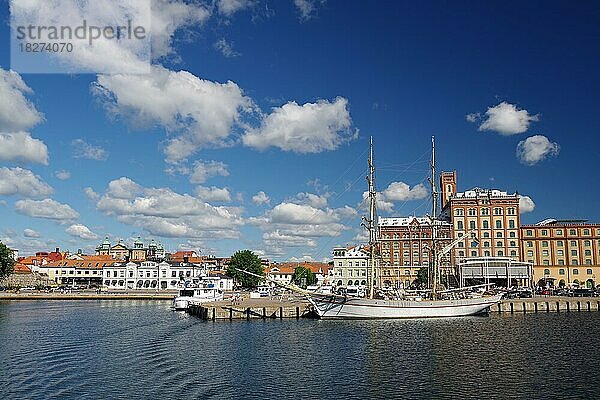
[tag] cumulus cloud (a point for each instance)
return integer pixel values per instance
(261, 198)
(308, 128)
(16, 112)
(123, 188)
(526, 204)
(163, 212)
(230, 7)
(400, 191)
(30, 233)
(311, 199)
(47, 209)
(213, 194)
(21, 146)
(82, 149)
(19, 181)
(199, 113)
(395, 192)
(473, 117)
(62, 175)
(535, 149)
(91, 194)
(290, 225)
(81, 232)
(507, 119)
(160, 18)
(204, 170)
(226, 48)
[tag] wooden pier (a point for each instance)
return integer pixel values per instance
(253, 309)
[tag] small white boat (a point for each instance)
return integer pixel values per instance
(203, 293)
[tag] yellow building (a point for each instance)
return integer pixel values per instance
(563, 253)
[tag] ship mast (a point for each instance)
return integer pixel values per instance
(370, 223)
(434, 224)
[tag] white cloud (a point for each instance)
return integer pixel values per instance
(311, 199)
(63, 175)
(395, 192)
(47, 208)
(204, 170)
(82, 149)
(18, 181)
(200, 113)
(535, 149)
(307, 8)
(261, 198)
(473, 117)
(16, 112)
(213, 193)
(21, 145)
(226, 48)
(526, 204)
(161, 19)
(170, 16)
(30, 233)
(163, 212)
(400, 191)
(91, 194)
(310, 128)
(230, 7)
(123, 188)
(507, 119)
(81, 232)
(292, 225)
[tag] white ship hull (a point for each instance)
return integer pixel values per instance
(338, 307)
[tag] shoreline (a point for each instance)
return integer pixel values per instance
(86, 296)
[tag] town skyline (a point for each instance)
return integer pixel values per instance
(273, 159)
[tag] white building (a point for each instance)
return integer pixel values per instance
(351, 266)
(157, 276)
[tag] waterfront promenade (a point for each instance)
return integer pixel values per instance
(86, 296)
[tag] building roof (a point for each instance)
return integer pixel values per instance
(479, 192)
(406, 221)
(562, 222)
(21, 268)
(178, 255)
(92, 262)
(289, 267)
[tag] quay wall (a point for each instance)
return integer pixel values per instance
(547, 304)
(85, 296)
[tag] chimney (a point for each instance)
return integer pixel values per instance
(126, 259)
(186, 259)
(57, 250)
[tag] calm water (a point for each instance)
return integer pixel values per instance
(142, 350)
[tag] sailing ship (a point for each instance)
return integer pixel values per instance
(436, 303)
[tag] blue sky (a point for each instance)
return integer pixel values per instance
(280, 97)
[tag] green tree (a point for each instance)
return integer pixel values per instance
(422, 279)
(247, 261)
(304, 277)
(7, 262)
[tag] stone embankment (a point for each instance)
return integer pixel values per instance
(548, 304)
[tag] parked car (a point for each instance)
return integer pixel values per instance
(583, 293)
(525, 294)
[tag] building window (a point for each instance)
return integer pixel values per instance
(587, 243)
(588, 252)
(512, 234)
(546, 262)
(560, 252)
(473, 253)
(529, 253)
(498, 224)
(513, 253)
(544, 243)
(546, 271)
(574, 252)
(459, 225)
(559, 243)
(572, 232)
(561, 271)
(472, 212)
(529, 244)
(498, 234)
(497, 211)
(588, 262)
(573, 243)
(544, 232)
(575, 271)
(513, 243)
(459, 212)
(486, 234)
(511, 224)
(545, 253)
(558, 232)
(486, 244)
(574, 262)
(561, 262)
(471, 224)
(499, 244)
(500, 253)
(486, 225)
(586, 232)
(528, 232)
(485, 211)
(589, 271)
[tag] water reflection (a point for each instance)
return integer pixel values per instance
(138, 350)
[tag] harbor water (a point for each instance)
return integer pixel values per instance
(142, 350)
